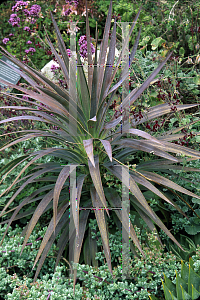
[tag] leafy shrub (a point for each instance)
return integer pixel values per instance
(92, 282)
(11, 262)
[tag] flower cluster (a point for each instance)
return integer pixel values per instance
(54, 67)
(26, 28)
(19, 5)
(69, 52)
(30, 50)
(155, 125)
(72, 2)
(5, 40)
(14, 20)
(186, 139)
(170, 97)
(83, 46)
(70, 7)
(35, 10)
(29, 13)
(67, 12)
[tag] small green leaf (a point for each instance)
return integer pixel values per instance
(156, 43)
(192, 229)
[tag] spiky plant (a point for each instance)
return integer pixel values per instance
(89, 148)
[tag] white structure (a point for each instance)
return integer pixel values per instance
(46, 70)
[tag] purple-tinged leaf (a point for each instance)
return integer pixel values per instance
(103, 49)
(125, 45)
(50, 237)
(109, 67)
(134, 95)
(155, 219)
(59, 59)
(76, 196)
(144, 146)
(99, 213)
(143, 181)
(107, 147)
(115, 202)
(88, 145)
(31, 178)
(37, 214)
(96, 178)
(79, 240)
(160, 110)
(168, 183)
(113, 123)
(33, 73)
(50, 230)
(64, 174)
(124, 74)
(115, 170)
(89, 54)
(42, 153)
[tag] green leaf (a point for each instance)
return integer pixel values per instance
(156, 43)
(181, 286)
(145, 40)
(170, 285)
(193, 280)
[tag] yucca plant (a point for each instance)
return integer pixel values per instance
(89, 148)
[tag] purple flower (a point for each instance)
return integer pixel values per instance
(35, 10)
(26, 28)
(54, 67)
(19, 5)
(25, 97)
(14, 20)
(11, 34)
(67, 12)
(83, 46)
(29, 42)
(33, 21)
(5, 40)
(32, 49)
(72, 2)
(26, 12)
(82, 40)
(69, 52)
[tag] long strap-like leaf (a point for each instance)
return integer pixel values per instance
(103, 49)
(116, 203)
(64, 174)
(96, 178)
(99, 213)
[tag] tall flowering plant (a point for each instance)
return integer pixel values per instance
(92, 147)
(23, 20)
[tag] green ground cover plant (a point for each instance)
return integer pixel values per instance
(17, 275)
